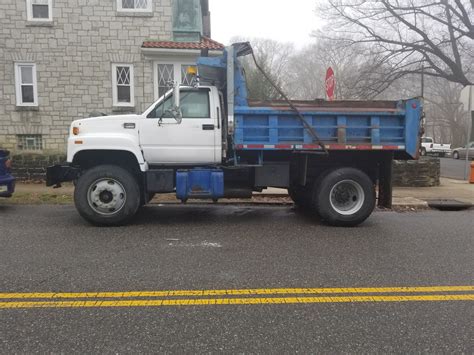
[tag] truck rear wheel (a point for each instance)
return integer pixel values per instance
(344, 197)
(107, 195)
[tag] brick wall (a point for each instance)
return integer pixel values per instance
(417, 173)
(32, 167)
(74, 56)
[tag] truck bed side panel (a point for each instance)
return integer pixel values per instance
(350, 128)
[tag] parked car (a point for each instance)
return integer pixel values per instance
(7, 182)
(429, 147)
(460, 153)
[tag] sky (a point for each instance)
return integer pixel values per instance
(281, 20)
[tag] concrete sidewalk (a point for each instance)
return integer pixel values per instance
(449, 190)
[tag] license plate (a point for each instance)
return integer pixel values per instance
(3, 188)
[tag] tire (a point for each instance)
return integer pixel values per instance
(344, 197)
(107, 195)
(300, 195)
(423, 152)
(456, 155)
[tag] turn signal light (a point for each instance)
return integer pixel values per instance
(75, 131)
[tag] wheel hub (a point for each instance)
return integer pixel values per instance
(106, 196)
(347, 197)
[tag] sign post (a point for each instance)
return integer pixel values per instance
(330, 84)
(467, 100)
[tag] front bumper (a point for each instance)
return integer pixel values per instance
(57, 174)
(7, 186)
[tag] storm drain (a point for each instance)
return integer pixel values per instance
(449, 205)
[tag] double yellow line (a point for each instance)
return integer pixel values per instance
(236, 297)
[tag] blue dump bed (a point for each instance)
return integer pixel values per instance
(341, 125)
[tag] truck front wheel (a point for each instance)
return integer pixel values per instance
(344, 197)
(107, 195)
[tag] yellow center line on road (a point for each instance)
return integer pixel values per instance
(235, 301)
(244, 292)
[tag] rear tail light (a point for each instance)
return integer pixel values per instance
(431, 146)
(8, 164)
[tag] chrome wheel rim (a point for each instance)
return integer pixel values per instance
(106, 196)
(347, 197)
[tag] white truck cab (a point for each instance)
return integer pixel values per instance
(156, 137)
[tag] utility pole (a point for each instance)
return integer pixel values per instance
(469, 123)
(422, 80)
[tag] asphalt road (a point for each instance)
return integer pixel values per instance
(235, 248)
(453, 169)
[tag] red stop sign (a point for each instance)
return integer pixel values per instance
(330, 84)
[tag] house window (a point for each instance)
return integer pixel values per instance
(134, 5)
(26, 86)
(123, 86)
(39, 10)
(165, 78)
(30, 141)
(167, 73)
(186, 78)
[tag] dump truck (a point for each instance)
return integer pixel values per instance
(210, 141)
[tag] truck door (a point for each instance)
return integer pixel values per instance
(196, 140)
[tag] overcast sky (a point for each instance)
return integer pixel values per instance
(282, 20)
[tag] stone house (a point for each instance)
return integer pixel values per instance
(61, 60)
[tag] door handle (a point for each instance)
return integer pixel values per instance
(208, 127)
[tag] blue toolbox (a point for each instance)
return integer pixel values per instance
(199, 184)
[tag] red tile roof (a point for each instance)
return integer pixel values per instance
(206, 43)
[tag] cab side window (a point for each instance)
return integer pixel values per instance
(194, 104)
(162, 110)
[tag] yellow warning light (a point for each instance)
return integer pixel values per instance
(192, 70)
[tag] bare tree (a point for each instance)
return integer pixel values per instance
(274, 58)
(360, 73)
(446, 118)
(408, 35)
